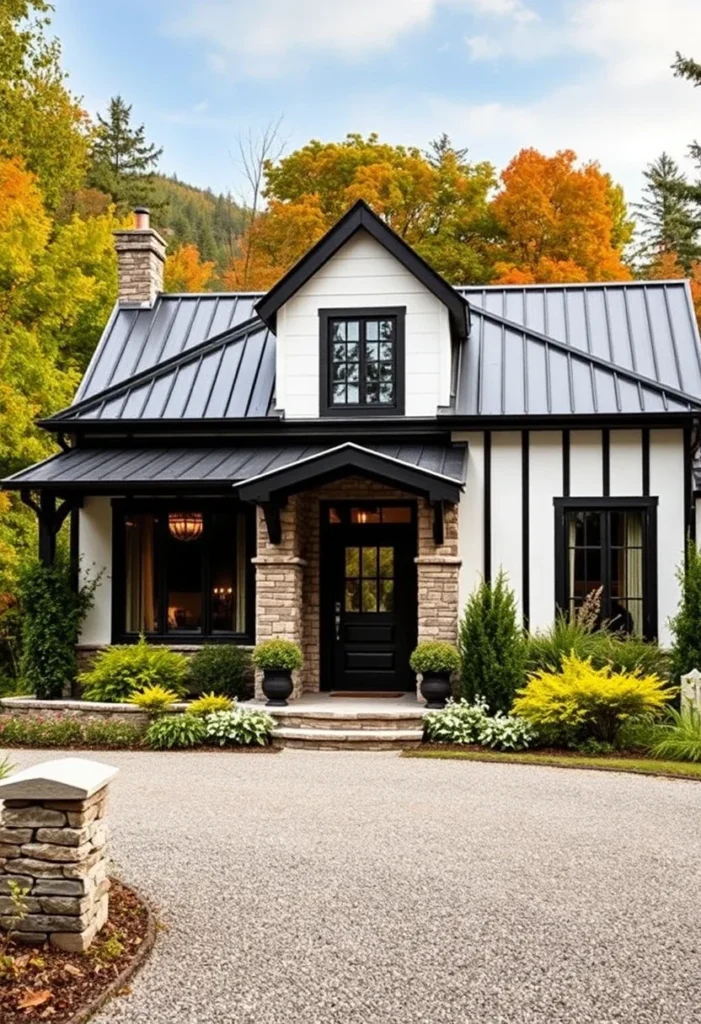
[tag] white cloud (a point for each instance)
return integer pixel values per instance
(259, 39)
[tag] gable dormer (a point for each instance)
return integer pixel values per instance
(364, 327)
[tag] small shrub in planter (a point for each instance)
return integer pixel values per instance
(582, 702)
(220, 668)
(123, 668)
(175, 732)
(210, 702)
(278, 659)
(153, 699)
(239, 728)
(436, 660)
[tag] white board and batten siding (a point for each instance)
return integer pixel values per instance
(546, 481)
(95, 543)
(362, 274)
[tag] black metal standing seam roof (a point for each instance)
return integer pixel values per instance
(231, 376)
(509, 370)
(608, 348)
(158, 467)
(645, 327)
(138, 338)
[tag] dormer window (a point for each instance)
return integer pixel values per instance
(362, 361)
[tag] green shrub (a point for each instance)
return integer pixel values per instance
(25, 731)
(678, 738)
(239, 727)
(461, 722)
(492, 651)
(153, 699)
(52, 614)
(637, 735)
(686, 624)
(583, 702)
(173, 732)
(435, 656)
(277, 654)
(546, 649)
(210, 702)
(121, 669)
(220, 668)
(5, 768)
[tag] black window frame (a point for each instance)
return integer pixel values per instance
(121, 508)
(648, 506)
(326, 407)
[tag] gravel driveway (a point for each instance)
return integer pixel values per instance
(361, 888)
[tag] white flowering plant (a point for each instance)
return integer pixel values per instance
(463, 723)
(239, 727)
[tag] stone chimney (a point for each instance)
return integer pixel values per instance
(141, 254)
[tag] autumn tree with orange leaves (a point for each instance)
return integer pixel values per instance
(558, 222)
(186, 271)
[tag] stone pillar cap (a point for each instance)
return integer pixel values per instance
(67, 778)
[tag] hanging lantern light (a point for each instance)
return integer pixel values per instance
(185, 525)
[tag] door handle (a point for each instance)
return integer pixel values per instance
(337, 619)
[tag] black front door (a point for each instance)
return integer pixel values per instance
(368, 597)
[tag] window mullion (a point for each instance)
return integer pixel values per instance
(606, 566)
(361, 362)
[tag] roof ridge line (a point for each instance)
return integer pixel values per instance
(113, 391)
(589, 357)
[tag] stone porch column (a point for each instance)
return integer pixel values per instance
(437, 571)
(279, 585)
(53, 844)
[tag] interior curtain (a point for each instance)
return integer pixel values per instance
(634, 567)
(240, 623)
(571, 541)
(140, 574)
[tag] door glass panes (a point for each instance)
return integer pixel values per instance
(362, 361)
(369, 579)
(141, 583)
(626, 606)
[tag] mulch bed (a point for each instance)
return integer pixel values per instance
(42, 983)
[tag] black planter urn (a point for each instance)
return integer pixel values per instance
(277, 686)
(435, 688)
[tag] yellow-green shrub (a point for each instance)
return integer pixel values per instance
(582, 702)
(210, 702)
(154, 699)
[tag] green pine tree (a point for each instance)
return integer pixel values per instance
(666, 217)
(491, 643)
(686, 624)
(689, 69)
(122, 160)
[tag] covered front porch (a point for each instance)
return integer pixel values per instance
(349, 550)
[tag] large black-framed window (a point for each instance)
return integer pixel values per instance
(182, 571)
(609, 545)
(362, 361)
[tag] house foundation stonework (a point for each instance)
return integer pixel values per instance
(288, 574)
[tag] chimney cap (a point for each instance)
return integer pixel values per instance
(141, 209)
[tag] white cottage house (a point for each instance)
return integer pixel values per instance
(340, 460)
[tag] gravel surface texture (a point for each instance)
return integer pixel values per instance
(320, 887)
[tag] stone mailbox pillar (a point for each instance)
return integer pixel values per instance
(53, 843)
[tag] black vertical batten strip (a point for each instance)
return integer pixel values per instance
(606, 460)
(689, 517)
(74, 549)
(565, 463)
(487, 505)
(646, 461)
(525, 527)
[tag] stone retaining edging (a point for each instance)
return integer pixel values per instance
(85, 709)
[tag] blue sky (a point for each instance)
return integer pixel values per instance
(590, 75)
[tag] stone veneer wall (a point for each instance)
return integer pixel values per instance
(287, 578)
(279, 589)
(57, 849)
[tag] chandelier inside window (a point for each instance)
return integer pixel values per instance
(185, 525)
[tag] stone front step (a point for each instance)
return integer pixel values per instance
(316, 738)
(325, 721)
